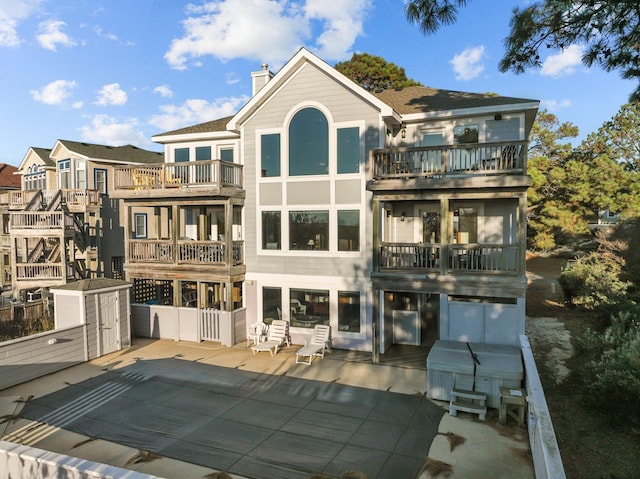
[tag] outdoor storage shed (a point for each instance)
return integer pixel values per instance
(450, 364)
(103, 306)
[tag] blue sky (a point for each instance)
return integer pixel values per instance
(120, 71)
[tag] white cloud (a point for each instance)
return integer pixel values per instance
(467, 65)
(111, 94)
(107, 130)
(195, 111)
(563, 63)
(50, 35)
(164, 91)
(554, 105)
(11, 13)
(55, 93)
(267, 30)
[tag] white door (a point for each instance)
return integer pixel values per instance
(108, 324)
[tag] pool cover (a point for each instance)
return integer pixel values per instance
(255, 425)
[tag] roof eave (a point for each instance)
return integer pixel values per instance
(207, 135)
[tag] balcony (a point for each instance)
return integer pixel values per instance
(178, 179)
(19, 200)
(184, 252)
(448, 162)
(34, 221)
(418, 258)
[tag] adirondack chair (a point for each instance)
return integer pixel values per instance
(316, 346)
(278, 335)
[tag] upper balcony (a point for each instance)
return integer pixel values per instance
(34, 200)
(194, 178)
(452, 166)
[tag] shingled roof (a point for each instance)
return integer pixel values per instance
(420, 99)
(207, 127)
(126, 153)
(7, 178)
(44, 154)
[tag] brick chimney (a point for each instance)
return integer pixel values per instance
(260, 78)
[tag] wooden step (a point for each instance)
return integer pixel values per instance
(468, 401)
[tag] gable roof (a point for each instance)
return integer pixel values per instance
(7, 177)
(92, 284)
(200, 130)
(290, 68)
(120, 154)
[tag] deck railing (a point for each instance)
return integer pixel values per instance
(188, 252)
(40, 220)
(72, 197)
(171, 175)
(37, 271)
(484, 258)
(442, 161)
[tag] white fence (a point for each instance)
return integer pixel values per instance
(547, 462)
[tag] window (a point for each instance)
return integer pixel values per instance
(271, 230)
(309, 230)
(349, 230)
(203, 172)
(465, 134)
(271, 304)
(308, 307)
(5, 224)
(203, 153)
(140, 225)
(100, 177)
(348, 150)
(81, 175)
(308, 143)
(181, 155)
(465, 225)
(64, 169)
(349, 311)
(35, 178)
(226, 154)
(270, 155)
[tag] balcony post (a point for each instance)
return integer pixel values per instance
(445, 238)
(376, 221)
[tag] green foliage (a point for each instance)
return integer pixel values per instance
(374, 73)
(594, 281)
(609, 31)
(613, 375)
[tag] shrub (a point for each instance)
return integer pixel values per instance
(593, 281)
(613, 375)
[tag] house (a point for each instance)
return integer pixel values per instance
(63, 225)
(396, 217)
(8, 182)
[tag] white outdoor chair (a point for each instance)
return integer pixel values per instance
(256, 333)
(278, 335)
(316, 346)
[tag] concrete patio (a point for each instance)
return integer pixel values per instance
(482, 449)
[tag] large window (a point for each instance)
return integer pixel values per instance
(271, 304)
(309, 307)
(348, 150)
(64, 173)
(203, 172)
(308, 143)
(226, 154)
(309, 230)
(349, 311)
(349, 230)
(181, 155)
(81, 175)
(270, 155)
(203, 153)
(271, 230)
(140, 225)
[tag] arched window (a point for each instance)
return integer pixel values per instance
(308, 143)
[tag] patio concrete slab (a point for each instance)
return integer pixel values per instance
(328, 387)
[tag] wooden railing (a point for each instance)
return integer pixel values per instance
(35, 271)
(188, 252)
(484, 258)
(20, 199)
(441, 161)
(171, 175)
(40, 220)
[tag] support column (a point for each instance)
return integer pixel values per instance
(445, 235)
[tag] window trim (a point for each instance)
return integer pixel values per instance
(106, 180)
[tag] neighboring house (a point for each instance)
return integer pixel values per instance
(394, 217)
(8, 182)
(63, 224)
